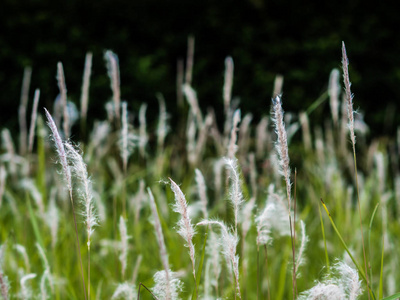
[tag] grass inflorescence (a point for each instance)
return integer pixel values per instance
(224, 217)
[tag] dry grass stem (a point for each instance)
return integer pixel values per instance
(63, 94)
(189, 61)
(85, 85)
(33, 120)
(26, 82)
(185, 227)
(228, 83)
(114, 75)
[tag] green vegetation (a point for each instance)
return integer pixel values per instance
(142, 208)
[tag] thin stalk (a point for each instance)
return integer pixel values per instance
(89, 272)
(266, 268)
(78, 245)
(369, 238)
(359, 213)
(142, 285)
(294, 259)
(258, 273)
(294, 231)
(323, 236)
(380, 293)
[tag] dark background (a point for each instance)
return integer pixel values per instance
(300, 40)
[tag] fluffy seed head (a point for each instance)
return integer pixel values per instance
(60, 150)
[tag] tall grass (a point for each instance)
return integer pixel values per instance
(234, 222)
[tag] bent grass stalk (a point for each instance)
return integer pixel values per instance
(363, 275)
(67, 174)
(350, 113)
(282, 149)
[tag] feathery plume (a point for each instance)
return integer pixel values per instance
(113, 72)
(85, 85)
(323, 291)
(125, 291)
(349, 95)
(232, 147)
(185, 227)
(162, 283)
(60, 151)
(202, 190)
(350, 114)
(78, 168)
(161, 243)
(272, 218)
(128, 140)
(228, 83)
(189, 61)
(26, 82)
(235, 195)
(162, 126)
(143, 138)
(334, 92)
(345, 285)
(281, 144)
(67, 174)
(26, 291)
(63, 94)
(229, 243)
(33, 120)
(123, 257)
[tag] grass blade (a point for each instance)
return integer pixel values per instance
(369, 238)
(200, 268)
(360, 270)
(394, 296)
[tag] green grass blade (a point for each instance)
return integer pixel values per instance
(394, 296)
(41, 156)
(34, 222)
(200, 268)
(369, 239)
(321, 99)
(360, 270)
(323, 236)
(381, 274)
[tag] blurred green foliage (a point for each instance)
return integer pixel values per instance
(299, 40)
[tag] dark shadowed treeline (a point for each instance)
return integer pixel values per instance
(264, 38)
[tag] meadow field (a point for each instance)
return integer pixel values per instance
(192, 206)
